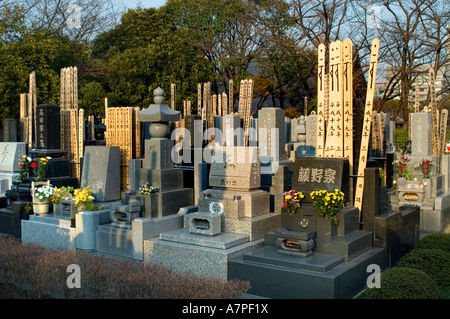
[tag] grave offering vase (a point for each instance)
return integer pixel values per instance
(40, 205)
(40, 208)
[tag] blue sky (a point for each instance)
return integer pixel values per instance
(131, 4)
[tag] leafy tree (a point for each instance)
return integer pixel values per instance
(224, 33)
(34, 52)
(145, 51)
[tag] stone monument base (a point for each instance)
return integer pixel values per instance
(310, 257)
(434, 217)
(198, 254)
(320, 276)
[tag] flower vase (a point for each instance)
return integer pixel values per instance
(57, 208)
(40, 208)
(150, 202)
(291, 209)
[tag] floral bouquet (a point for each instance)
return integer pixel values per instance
(328, 203)
(43, 193)
(425, 165)
(447, 148)
(61, 193)
(24, 169)
(147, 190)
(401, 163)
(41, 168)
(83, 198)
(292, 201)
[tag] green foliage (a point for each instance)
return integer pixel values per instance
(292, 113)
(12, 23)
(435, 241)
(37, 52)
(434, 262)
(401, 136)
(404, 283)
(146, 51)
(91, 96)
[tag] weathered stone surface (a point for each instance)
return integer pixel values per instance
(157, 154)
(159, 112)
(421, 134)
(101, 172)
(11, 156)
(271, 133)
(235, 168)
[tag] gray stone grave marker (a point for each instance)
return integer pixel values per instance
(421, 143)
(101, 172)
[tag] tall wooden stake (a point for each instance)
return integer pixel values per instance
(434, 114)
(321, 102)
(442, 136)
(347, 78)
(334, 142)
(416, 99)
(231, 96)
(366, 125)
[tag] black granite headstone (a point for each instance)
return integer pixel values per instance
(390, 156)
(9, 130)
(320, 173)
(371, 198)
(48, 124)
(194, 129)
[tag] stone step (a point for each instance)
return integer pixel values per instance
(317, 262)
(115, 241)
(353, 244)
(55, 219)
(220, 241)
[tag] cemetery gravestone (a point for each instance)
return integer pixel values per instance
(232, 217)
(101, 166)
(9, 130)
(271, 134)
(10, 158)
(313, 173)
(158, 166)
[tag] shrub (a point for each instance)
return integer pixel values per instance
(401, 136)
(42, 271)
(435, 241)
(404, 283)
(434, 262)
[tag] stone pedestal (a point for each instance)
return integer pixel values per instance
(233, 216)
(310, 251)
